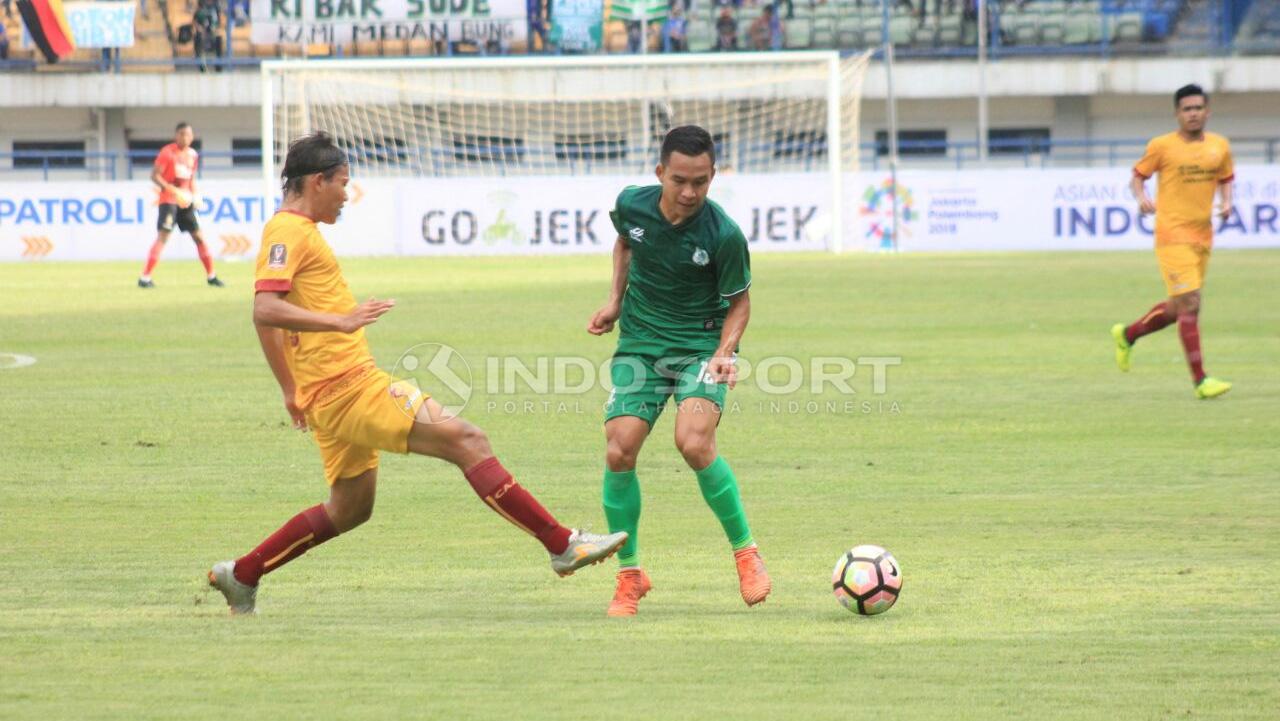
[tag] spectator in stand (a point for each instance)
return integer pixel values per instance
(766, 30)
(726, 30)
(207, 21)
(238, 11)
(4, 41)
(675, 32)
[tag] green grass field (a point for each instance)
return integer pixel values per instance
(1076, 543)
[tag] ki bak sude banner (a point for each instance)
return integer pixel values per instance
(1087, 209)
(343, 22)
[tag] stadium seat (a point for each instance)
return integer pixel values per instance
(949, 30)
(849, 32)
(924, 35)
(799, 32)
(1052, 30)
(900, 28)
(824, 36)
(1128, 28)
(702, 36)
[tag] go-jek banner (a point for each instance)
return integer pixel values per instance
(343, 22)
(1084, 209)
(557, 215)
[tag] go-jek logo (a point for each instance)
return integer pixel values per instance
(878, 206)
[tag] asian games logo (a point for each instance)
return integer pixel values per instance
(878, 202)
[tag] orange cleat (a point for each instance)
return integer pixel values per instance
(753, 579)
(633, 584)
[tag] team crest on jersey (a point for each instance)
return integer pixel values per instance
(637, 235)
(278, 256)
(700, 257)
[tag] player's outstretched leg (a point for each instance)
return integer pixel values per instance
(350, 504)
(1160, 316)
(450, 438)
(695, 437)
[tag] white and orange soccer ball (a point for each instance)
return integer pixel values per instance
(867, 580)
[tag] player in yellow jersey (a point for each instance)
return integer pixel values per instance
(312, 333)
(1192, 165)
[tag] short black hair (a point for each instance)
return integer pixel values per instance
(183, 125)
(689, 140)
(1187, 91)
(308, 155)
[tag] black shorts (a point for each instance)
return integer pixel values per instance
(184, 217)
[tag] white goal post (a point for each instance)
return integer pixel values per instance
(534, 116)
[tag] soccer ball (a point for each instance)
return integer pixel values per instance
(867, 580)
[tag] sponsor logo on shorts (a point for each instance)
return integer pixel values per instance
(279, 255)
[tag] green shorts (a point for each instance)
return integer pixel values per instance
(642, 384)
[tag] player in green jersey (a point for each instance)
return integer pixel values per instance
(681, 273)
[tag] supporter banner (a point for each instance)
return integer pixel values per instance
(967, 210)
(98, 24)
(342, 22)
(576, 25)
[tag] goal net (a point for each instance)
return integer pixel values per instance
(769, 113)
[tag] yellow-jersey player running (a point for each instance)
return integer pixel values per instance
(312, 333)
(1192, 166)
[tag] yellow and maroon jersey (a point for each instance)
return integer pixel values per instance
(1190, 172)
(295, 259)
(178, 167)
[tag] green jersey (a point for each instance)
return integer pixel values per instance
(681, 276)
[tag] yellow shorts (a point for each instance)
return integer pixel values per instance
(1183, 266)
(360, 414)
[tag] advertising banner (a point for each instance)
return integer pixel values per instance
(117, 221)
(343, 22)
(1064, 209)
(1078, 209)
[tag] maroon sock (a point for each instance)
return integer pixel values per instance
(498, 489)
(153, 257)
(1189, 329)
(205, 259)
(1158, 317)
(304, 531)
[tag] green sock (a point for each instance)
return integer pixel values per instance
(622, 508)
(720, 490)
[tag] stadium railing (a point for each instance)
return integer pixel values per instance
(117, 165)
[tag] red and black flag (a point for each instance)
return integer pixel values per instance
(46, 22)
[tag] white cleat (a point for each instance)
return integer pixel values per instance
(585, 549)
(241, 599)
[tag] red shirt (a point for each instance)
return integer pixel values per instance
(178, 168)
